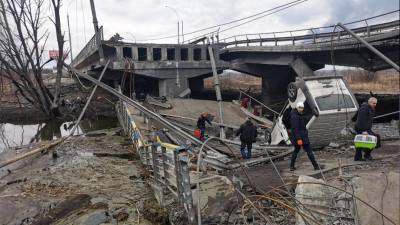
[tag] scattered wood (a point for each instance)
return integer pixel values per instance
(17, 181)
(64, 209)
(153, 101)
(37, 150)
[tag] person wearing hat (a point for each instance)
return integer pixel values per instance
(248, 135)
(299, 136)
(201, 124)
(365, 117)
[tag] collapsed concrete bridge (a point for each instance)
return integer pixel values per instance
(173, 69)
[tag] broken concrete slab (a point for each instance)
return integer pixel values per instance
(384, 197)
(217, 197)
(314, 197)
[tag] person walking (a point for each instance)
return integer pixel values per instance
(201, 124)
(299, 136)
(248, 135)
(365, 117)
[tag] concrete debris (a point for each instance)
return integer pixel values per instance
(333, 206)
(384, 197)
(313, 198)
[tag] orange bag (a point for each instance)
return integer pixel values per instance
(300, 142)
(197, 133)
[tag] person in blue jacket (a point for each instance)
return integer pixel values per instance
(299, 136)
(248, 135)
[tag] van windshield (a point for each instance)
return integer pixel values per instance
(334, 101)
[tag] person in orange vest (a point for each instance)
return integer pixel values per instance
(201, 124)
(299, 136)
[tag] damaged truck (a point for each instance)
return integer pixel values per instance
(329, 106)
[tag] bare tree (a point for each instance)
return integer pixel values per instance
(22, 42)
(60, 40)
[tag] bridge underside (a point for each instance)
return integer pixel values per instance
(156, 82)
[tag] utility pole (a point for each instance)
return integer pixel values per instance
(98, 36)
(69, 36)
(177, 19)
(217, 89)
(95, 23)
(183, 38)
(178, 31)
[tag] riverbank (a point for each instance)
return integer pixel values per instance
(101, 105)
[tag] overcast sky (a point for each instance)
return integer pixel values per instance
(146, 19)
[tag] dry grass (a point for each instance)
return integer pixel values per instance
(234, 81)
(381, 81)
(358, 79)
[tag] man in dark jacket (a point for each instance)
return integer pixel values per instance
(248, 134)
(299, 136)
(201, 124)
(365, 117)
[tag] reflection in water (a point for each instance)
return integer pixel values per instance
(12, 135)
(54, 130)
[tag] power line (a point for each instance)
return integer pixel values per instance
(84, 19)
(227, 23)
(323, 27)
(257, 18)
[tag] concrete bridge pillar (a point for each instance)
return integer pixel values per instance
(190, 53)
(149, 54)
(274, 85)
(204, 53)
(120, 54)
(163, 54)
(135, 54)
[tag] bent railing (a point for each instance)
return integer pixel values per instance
(166, 163)
(90, 47)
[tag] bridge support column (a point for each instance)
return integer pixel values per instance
(135, 54)
(274, 86)
(169, 88)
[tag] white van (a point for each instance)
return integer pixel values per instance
(328, 105)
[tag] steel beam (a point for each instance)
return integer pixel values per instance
(370, 47)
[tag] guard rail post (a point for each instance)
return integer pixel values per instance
(185, 187)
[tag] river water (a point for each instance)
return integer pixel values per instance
(12, 135)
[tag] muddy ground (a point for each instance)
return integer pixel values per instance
(97, 179)
(89, 179)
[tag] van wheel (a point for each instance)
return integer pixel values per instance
(267, 136)
(292, 91)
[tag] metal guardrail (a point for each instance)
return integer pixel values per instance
(89, 48)
(167, 163)
(311, 36)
